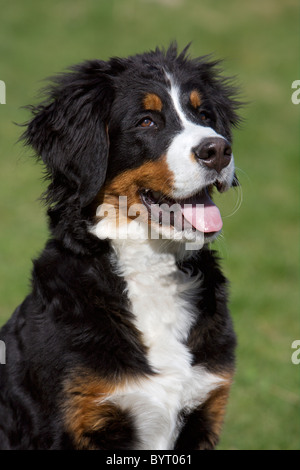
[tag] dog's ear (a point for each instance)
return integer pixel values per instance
(69, 132)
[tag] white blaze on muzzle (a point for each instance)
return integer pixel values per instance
(191, 176)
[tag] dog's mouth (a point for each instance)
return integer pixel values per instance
(197, 212)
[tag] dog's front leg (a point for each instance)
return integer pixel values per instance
(202, 427)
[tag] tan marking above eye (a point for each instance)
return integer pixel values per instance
(195, 99)
(152, 102)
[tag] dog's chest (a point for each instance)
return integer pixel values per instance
(161, 299)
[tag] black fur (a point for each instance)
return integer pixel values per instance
(77, 314)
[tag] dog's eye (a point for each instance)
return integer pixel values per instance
(203, 116)
(147, 122)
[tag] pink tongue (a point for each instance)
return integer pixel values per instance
(203, 215)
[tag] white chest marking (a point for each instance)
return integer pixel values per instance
(160, 297)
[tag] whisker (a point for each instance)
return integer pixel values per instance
(221, 245)
(239, 188)
(238, 203)
(239, 170)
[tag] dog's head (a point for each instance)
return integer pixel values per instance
(148, 137)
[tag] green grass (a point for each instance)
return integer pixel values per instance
(261, 239)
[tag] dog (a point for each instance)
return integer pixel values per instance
(125, 340)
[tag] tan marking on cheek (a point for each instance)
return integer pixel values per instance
(152, 102)
(195, 99)
(154, 175)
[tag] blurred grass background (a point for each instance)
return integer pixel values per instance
(260, 247)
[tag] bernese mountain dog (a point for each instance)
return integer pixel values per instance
(125, 341)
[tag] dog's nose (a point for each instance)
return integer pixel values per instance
(214, 152)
